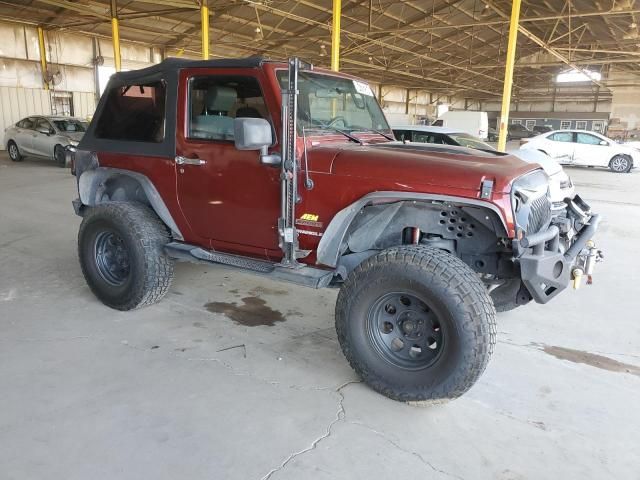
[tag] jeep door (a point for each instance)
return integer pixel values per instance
(226, 195)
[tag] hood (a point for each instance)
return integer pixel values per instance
(548, 164)
(75, 136)
(417, 164)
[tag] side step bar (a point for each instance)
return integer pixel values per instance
(306, 276)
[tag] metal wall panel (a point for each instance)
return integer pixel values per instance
(17, 103)
(83, 104)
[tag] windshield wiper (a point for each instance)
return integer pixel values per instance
(385, 135)
(327, 127)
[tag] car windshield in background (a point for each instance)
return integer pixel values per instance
(470, 141)
(70, 126)
(327, 102)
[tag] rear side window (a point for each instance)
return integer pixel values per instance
(25, 123)
(562, 137)
(134, 113)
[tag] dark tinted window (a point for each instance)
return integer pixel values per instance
(437, 123)
(402, 135)
(133, 113)
(70, 125)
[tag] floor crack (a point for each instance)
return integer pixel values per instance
(340, 415)
(402, 449)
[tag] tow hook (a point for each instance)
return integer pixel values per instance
(587, 260)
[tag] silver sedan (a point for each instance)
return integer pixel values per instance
(45, 137)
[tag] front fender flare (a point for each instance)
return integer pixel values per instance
(328, 251)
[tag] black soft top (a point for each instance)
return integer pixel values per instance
(173, 64)
(166, 71)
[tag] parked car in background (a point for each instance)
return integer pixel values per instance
(539, 129)
(439, 136)
(516, 131)
(581, 147)
(43, 136)
(560, 185)
(473, 123)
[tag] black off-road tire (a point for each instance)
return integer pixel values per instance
(504, 296)
(445, 288)
(14, 151)
(620, 164)
(136, 230)
(59, 156)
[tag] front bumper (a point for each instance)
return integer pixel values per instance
(546, 270)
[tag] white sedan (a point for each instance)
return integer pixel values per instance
(579, 147)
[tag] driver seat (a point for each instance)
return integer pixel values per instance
(215, 122)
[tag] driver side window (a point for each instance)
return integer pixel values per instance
(588, 139)
(43, 124)
(215, 101)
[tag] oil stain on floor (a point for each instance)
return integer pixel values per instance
(252, 312)
(592, 359)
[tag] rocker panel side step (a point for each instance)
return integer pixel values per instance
(306, 276)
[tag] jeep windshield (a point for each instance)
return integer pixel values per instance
(329, 104)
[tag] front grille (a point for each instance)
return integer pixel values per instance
(539, 215)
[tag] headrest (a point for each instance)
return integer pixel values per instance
(220, 99)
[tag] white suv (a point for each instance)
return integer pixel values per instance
(580, 147)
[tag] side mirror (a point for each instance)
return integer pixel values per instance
(255, 134)
(46, 131)
(603, 142)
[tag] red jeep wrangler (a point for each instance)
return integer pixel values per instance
(293, 173)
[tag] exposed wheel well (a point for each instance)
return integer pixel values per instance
(472, 233)
(103, 185)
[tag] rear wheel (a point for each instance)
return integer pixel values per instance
(121, 250)
(59, 155)
(620, 164)
(14, 153)
(416, 324)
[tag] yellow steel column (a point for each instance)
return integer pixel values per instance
(335, 35)
(115, 36)
(43, 57)
(508, 75)
(204, 24)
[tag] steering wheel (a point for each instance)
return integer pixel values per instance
(335, 120)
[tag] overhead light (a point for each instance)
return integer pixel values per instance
(633, 25)
(258, 35)
(323, 50)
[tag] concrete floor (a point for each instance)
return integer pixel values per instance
(175, 391)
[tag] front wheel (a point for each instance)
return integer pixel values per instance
(59, 155)
(14, 153)
(121, 250)
(416, 324)
(620, 164)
